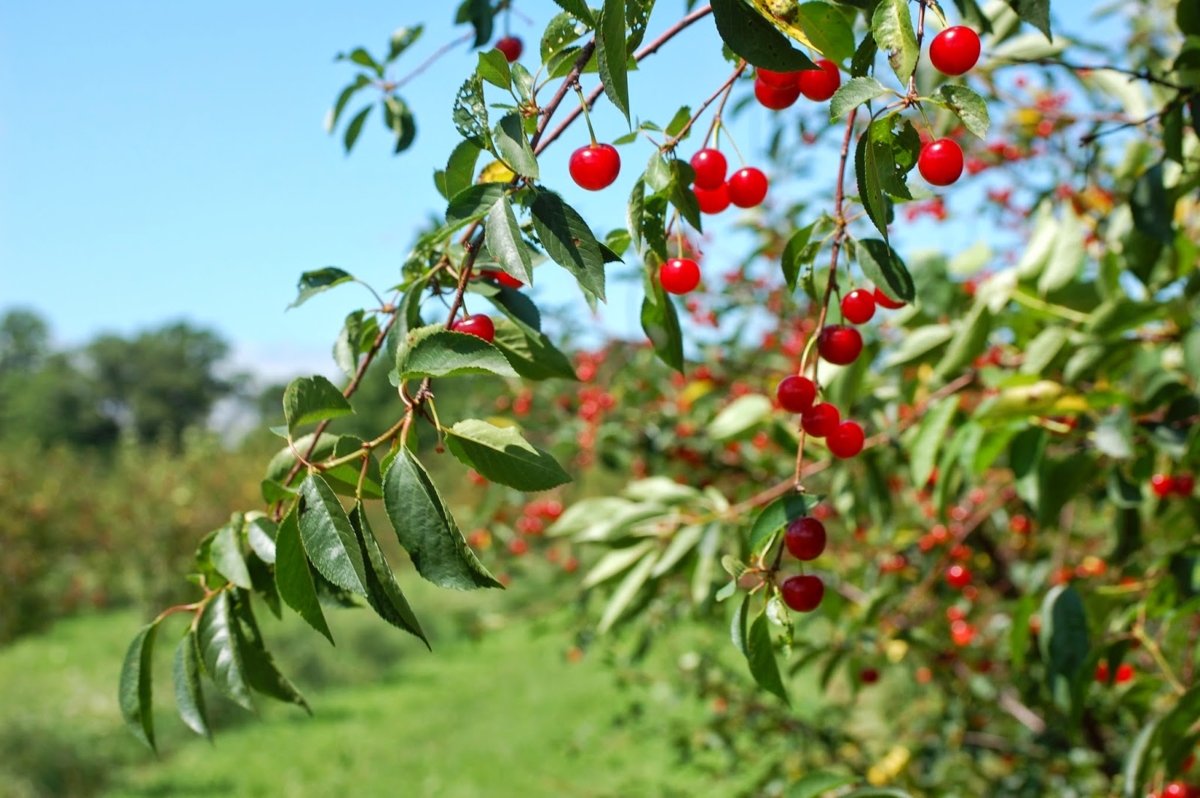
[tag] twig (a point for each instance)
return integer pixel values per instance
(428, 62)
(723, 92)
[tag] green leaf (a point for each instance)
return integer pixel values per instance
(776, 515)
(493, 67)
(1063, 639)
(864, 58)
(660, 321)
(343, 99)
(481, 16)
(682, 196)
(626, 591)
(513, 146)
(383, 593)
(315, 282)
(501, 455)
(361, 57)
(1137, 761)
(634, 211)
(1067, 254)
(893, 30)
(814, 785)
(398, 118)
(426, 529)
(755, 39)
(259, 666)
(930, 435)
(434, 351)
(1121, 492)
(531, 353)
(285, 459)
(966, 105)
(473, 203)
(189, 696)
(1041, 351)
(611, 56)
(294, 579)
(1114, 435)
(1152, 208)
(505, 243)
(682, 543)
(1018, 636)
(1036, 13)
(578, 9)
(470, 113)
(402, 39)
(760, 654)
(854, 93)
(826, 26)
(872, 157)
(226, 553)
(569, 241)
(216, 635)
(793, 255)
(968, 343)
(460, 169)
(562, 31)
(135, 694)
(355, 127)
(344, 478)
(311, 399)
(883, 267)
(738, 628)
(738, 416)
(918, 343)
(328, 538)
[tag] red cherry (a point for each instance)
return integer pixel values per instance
(839, 344)
(821, 420)
(803, 593)
(1019, 525)
(777, 80)
(805, 538)
(955, 50)
(820, 84)
(858, 306)
(776, 98)
(1185, 484)
(710, 166)
(478, 325)
(679, 275)
(1177, 789)
(1124, 673)
(595, 166)
(504, 278)
(511, 47)
(885, 301)
(796, 394)
(747, 187)
(518, 546)
(713, 201)
(1102, 672)
(941, 162)
(1162, 485)
(958, 576)
(962, 633)
(846, 441)
(868, 676)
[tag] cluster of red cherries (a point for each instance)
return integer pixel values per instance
(1165, 485)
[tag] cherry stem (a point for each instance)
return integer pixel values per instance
(732, 143)
(912, 79)
(587, 119)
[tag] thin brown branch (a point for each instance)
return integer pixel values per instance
(722, 92)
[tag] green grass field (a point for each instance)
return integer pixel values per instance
(502, 713)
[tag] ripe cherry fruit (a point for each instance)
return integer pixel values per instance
(710, 166)
(512, 48)
(941, 162)
(958, 576)
(503, 278)
(1162, 485)
(868, 676)
(858, 306)
(679, 275)
(595, 166)
(1184, 484)
(796, 394)
(820, 84)
(820, 420)
(777, 80)
(805, 538)
(803, 593)
(478, 325)
(747, 187)
(839, 344)
(776, 98)
(885, 301)
(955, 50)
(846, 441)
(713, 201)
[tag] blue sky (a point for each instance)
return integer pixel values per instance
(168, 160)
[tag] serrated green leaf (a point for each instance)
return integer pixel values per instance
(493, 67)
(871, 155)
(892, 28)
(219, 651)
(226, 553)
(501, 455)
(355, 127)
(473, 203)
(383, 592)
(569, 241)
(776, 515)
(660, 321)
(967, 106)
(918, 343)
(460, 169)
(755, 39)
(969, 342)
(504, 241)
(611, 56)
(1063, 639)
(328, 538)
(136, 690)
(294, 578)
(481, 16)
(189, 697)
(401, 39)
(1036, 13)
(883, 267)
(578, 9)
(827, 28)
(434, 351)
(1067, 255)
(1043, 349)
(626, 591)
(426, 529)
(470, 113)
(760, 655)
(738, 628)
(343, 99)
(512, 143)
(308, 400)
(794, 255)
(854, 93)
(531, 353)
(312, 283)
(398, 118)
